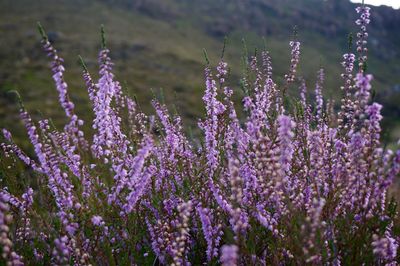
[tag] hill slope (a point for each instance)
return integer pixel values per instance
(158, 44)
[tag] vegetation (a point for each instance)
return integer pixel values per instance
(289, 181)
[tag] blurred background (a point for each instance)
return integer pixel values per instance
(157, 44)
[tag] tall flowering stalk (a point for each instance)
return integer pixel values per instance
(347, 103)
(58, 69)
(290, 77)
(214, 109)
(362, 35)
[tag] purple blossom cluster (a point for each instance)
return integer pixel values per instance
(8, 253)
(291, 76)
(287, 182)
(362, 34)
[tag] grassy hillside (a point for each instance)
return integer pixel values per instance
(158, 44)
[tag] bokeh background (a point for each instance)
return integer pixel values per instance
(157, 47)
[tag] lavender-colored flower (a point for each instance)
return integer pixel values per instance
(12, 148)
(285, 133)
(385, 248)
(363, 84)
(347, 104)
(214, 109)
(97, 220)
(373, 123)
(8, 254)
(62, 252)
(109, 137)
(229, 255)
(212, 234)
(290, 77)
(180, 242)
(362, 35)
(319, 97)
(58, 69)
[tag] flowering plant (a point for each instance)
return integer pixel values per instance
(290, 183)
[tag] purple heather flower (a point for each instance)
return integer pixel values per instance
(385, 248)
(347, 106)
(290, 77)
(319, 97)
(212, 234)
(373, 123)
(180, 242)
(11, 147)
(214, 108)
(285, 133)
(229, 255)
(363, 84)
(58, 69)
(362, 35)
(97, 220)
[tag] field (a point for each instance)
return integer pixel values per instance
(234, 162)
